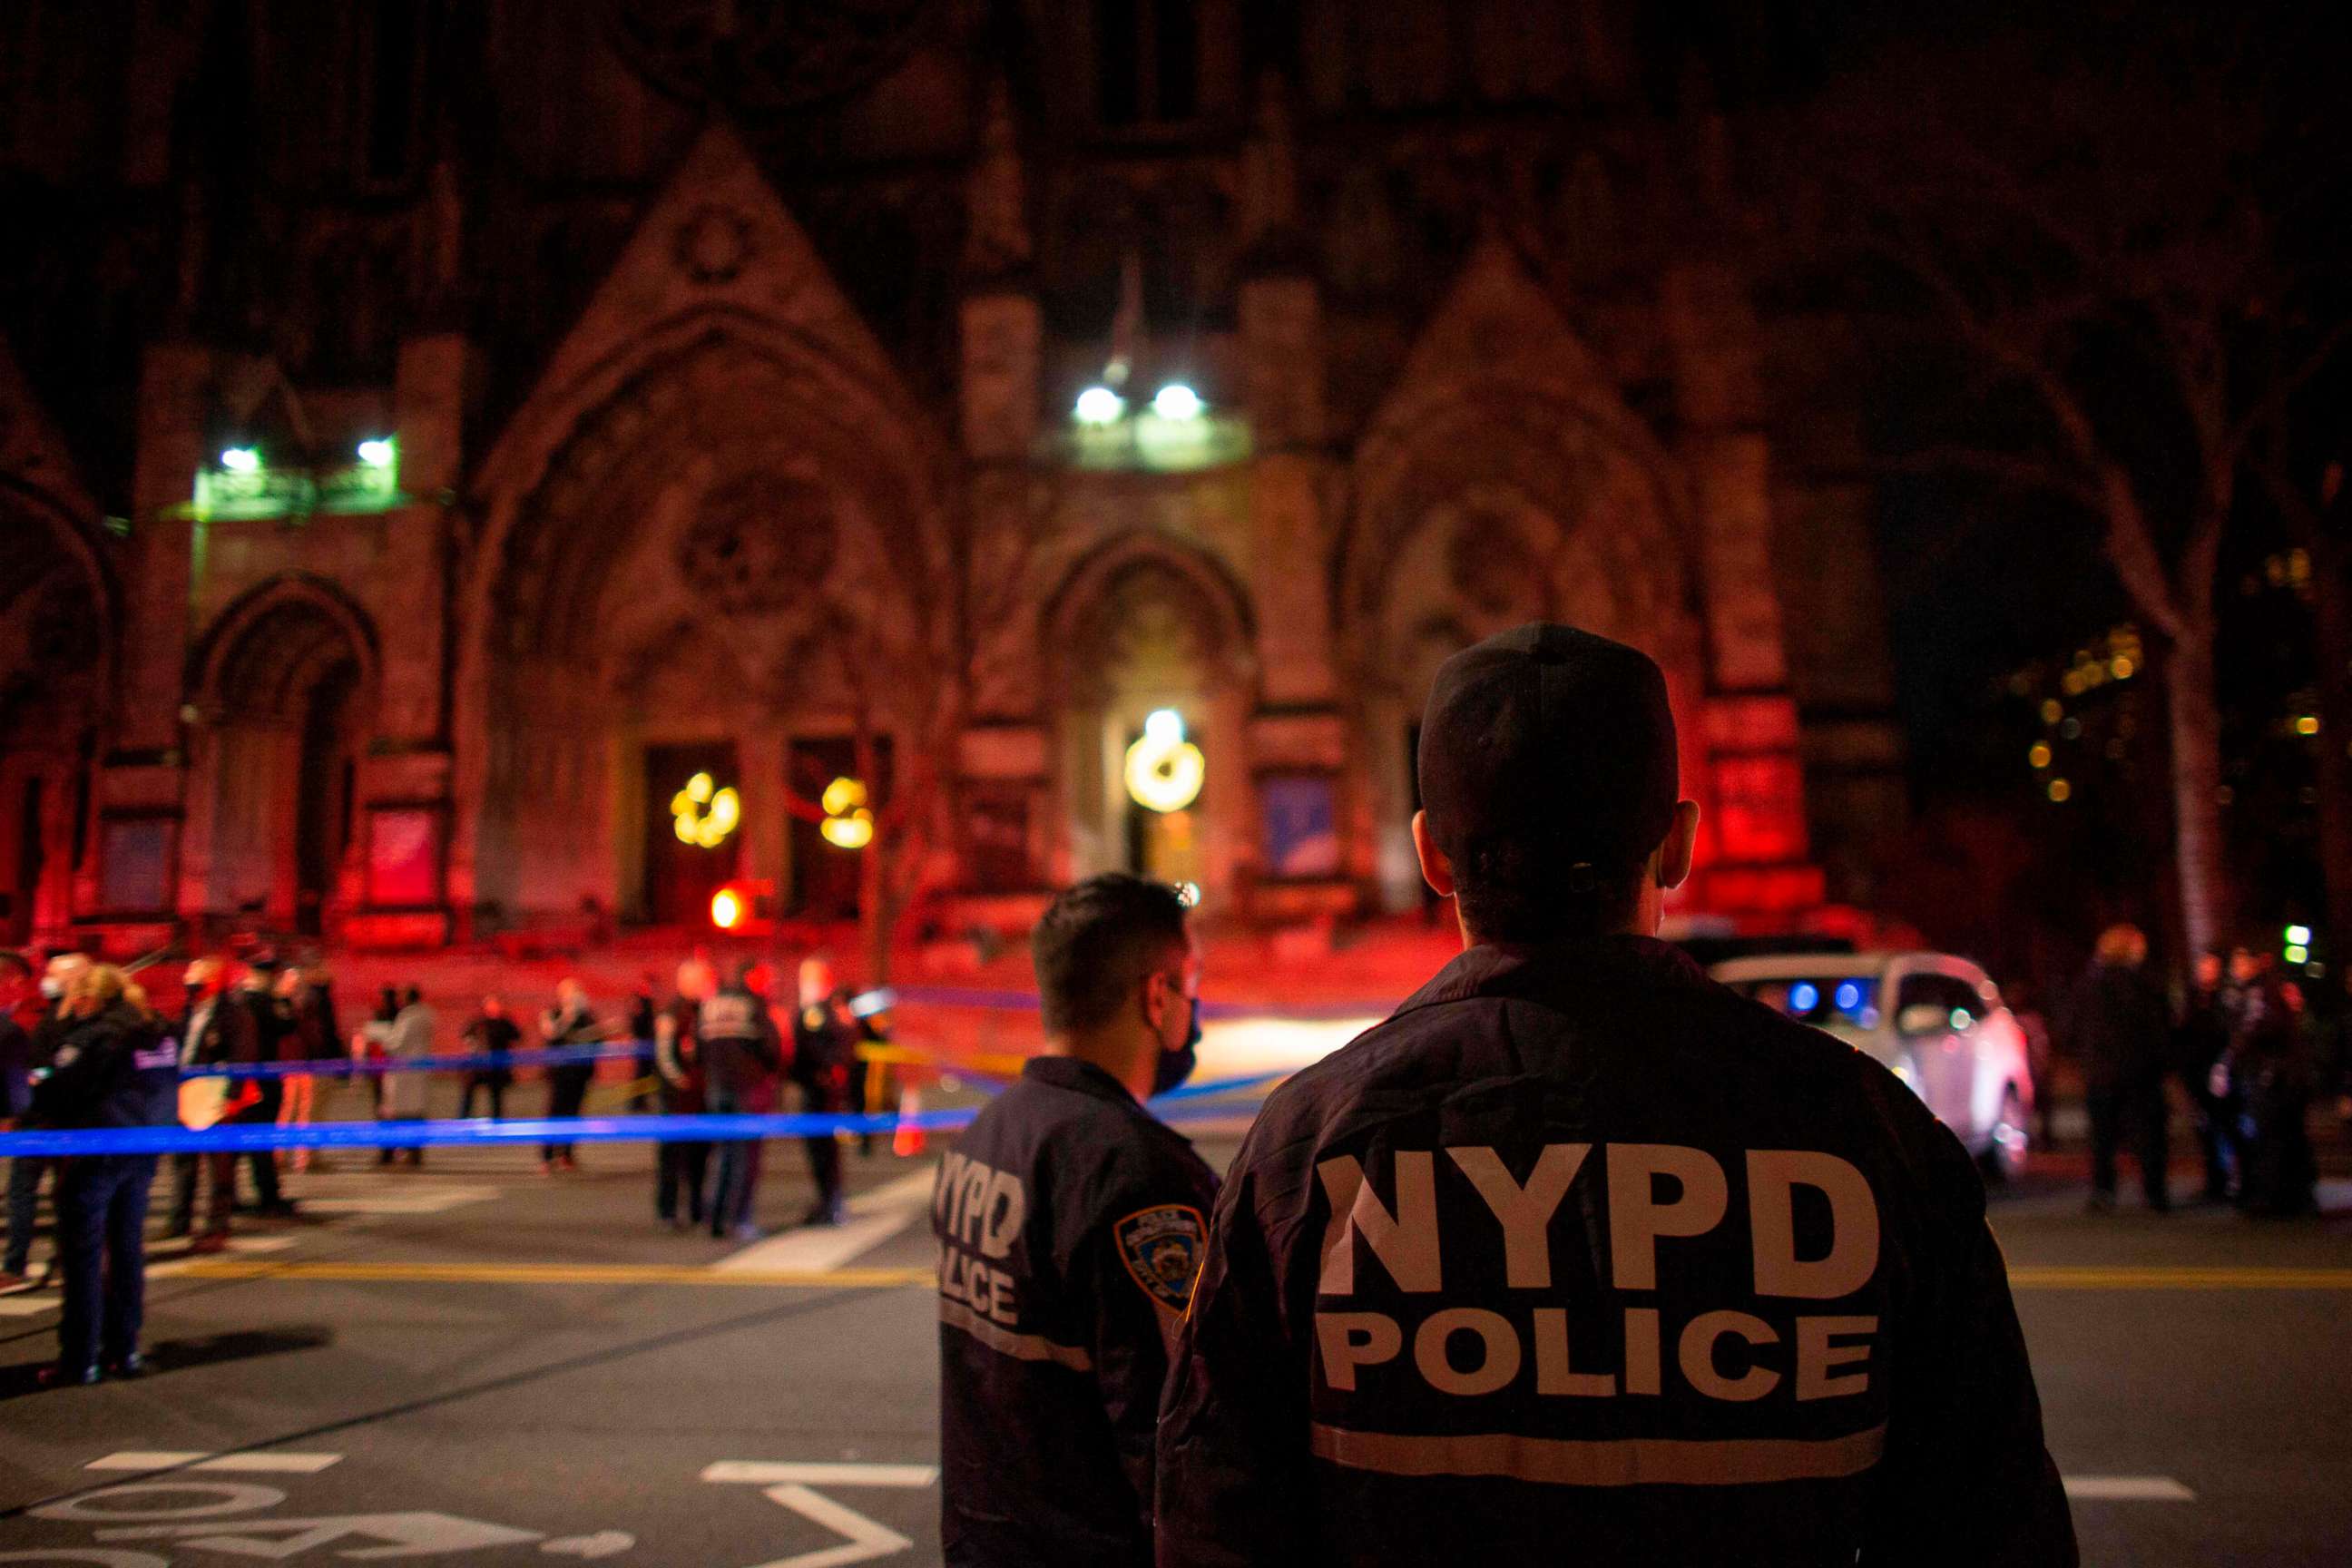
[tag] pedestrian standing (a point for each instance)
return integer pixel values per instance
(1580, 1255)
(1070, 1224)
(643, 1021)
(2269, 1067)
(2200, 1040)
(116, 1068)
(491, 1034)
(25, 1175)
(824, 1047)
(214, 1031)
(2116, 1024)
(741, 1055)
(569, 1025)
(402, 1096)
(18, 1061)
(273, 1023)
(309, 999)
(681, 1163)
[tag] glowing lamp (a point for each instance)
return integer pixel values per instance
(726, 908)
(241, 460)
(854, 831)
(2298, 936)
(377, 451)
(1849, 996)
(2060, 790)
(1177, 401)
(704, 814)
(1165, 771)
(1189, 894)
(2296, 954)
(842, 797)
(1803, 997)
(1100, 405)
(2038, 754)
(2306, 725)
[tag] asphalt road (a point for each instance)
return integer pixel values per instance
(479, 1362)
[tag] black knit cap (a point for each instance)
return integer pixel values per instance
(1551, 737)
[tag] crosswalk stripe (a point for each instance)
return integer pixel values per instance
(252, 1464)
(875, 1217)
(2127, 1488)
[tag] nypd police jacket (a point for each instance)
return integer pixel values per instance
(1070, 1224)
(1579, 1256)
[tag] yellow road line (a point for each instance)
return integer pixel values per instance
(2051, 1277)
(556, 1274)
(2027, 1277)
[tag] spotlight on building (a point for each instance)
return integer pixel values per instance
(378, 452)
(241, 460)
(1100, 405)
(1177, 401)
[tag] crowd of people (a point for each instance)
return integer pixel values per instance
(82, 1045)
(2246, 1049)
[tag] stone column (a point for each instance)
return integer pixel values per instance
(1759, 869)
(404, 765)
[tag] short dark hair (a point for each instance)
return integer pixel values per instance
(1096, 942)
(1521, 890)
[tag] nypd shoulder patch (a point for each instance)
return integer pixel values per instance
(1161, 1246)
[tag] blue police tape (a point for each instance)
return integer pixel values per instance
(239, 1137)
(1026, 1002)
(348, 1066)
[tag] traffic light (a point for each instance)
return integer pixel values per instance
(2294, 946)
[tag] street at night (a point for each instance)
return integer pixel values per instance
(1175, 783)
(477, 1342)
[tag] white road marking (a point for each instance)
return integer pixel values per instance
(762, 1473)
(603, 1544)
(875, 1217)
(256, 1463)
(2127, 1488)
(369, 1535)
(789, 1486)
(406, 1200)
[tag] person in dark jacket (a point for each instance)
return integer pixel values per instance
(116, 1068)
(680, 1165)
(491, 1034)
(213, 1030)
(273, 1028)
(33, 1052)
(2269, 1076)
(742, 1054)
(570, 1023)
(826, 1036)
(2117, 1026)
(1581, 1256)
(1070, 1224)
(2201, 1039)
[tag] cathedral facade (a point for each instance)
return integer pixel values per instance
(480, 468)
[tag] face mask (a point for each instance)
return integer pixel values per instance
(1174, 1066)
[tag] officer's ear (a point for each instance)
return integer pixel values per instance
(1435, 868)
(1670, 867)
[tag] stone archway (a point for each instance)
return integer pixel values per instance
(1477, 512)
(679, 575)
(284, 696)
(58, 644)
(1145, 624)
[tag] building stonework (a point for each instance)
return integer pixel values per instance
(740, 511)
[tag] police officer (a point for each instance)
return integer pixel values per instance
(742, 1053)
(1580, 1257)
(117, 1069)
(824, 1047)
(1070, 1224)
